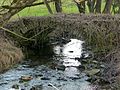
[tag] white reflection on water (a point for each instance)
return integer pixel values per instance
(71, 62)
(71, 72)
(73, 49)
(70, 51)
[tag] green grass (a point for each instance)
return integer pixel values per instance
(41, 10)
(68, 6)
(34, 11)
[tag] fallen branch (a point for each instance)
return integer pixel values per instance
(41, 32)
(48, 6)
(7, 30)
(53, 86)
(22, 37)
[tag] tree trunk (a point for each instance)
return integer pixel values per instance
(91, 4)
(58, 5)
(107, 6)
(48, 6)
(80, 6)
(98, 6)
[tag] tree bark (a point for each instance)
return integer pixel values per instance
(98, 6)
(107, 6)
(80, 6)
(48, 6)
(58, 5)
(91, 4)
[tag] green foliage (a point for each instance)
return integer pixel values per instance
(41, 10)
(68, 6)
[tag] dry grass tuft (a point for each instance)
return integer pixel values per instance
(9, 54)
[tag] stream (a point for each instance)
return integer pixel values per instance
(60, 72)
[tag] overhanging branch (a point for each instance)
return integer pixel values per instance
(20, 7)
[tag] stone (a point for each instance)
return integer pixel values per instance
(37, 87)
(22, 89)
(15, 86)
(60, 67)
(84, 61)
(77, 58)
(74, 78)
(94, 61)
(62, 79)
(92, 79)
(38, 75)
(81, 68)
(26, 78)
(102, 66)
(45, 78)
(92, 72)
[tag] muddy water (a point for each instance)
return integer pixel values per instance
(61, 72)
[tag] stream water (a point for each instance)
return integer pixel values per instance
(61, 72)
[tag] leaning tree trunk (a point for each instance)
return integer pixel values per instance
(58, 5)
(108, 6)
(48, 6)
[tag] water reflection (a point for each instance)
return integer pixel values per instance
(73, 49)
(71, 62)
(72, 72)
(70, 51)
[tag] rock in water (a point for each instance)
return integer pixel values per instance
(36, 87)
(92, 72)
(26, 78)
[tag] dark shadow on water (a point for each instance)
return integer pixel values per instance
(41, 55)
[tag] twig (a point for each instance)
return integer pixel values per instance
(53, 86)
(7, 30)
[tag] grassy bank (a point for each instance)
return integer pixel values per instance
(9, 54)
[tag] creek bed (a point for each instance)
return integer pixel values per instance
(60, 72)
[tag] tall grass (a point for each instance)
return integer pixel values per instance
(9, 54)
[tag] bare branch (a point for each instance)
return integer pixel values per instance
(20, 7)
